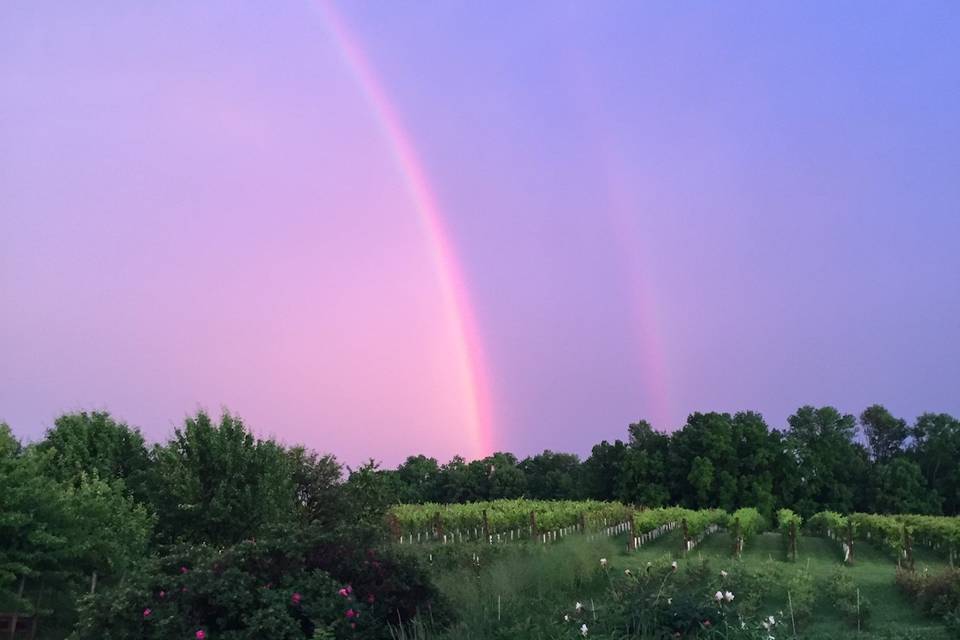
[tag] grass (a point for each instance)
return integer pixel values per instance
(521, 592)
(873, 572)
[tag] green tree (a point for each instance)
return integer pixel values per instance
(552, 476)
(756, 455)
(709, 437)
(644, 478)
(936, 449)
(419, 478)
(602, 471)
(94, 444)
(318, 486)
(833, 469)
(885, 433)
(216, 483)
(901, 488)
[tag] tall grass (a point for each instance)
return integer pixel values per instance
(520, 594)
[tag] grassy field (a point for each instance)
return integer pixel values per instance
(523, 591)
(873, 572)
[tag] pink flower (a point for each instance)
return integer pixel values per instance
(201, 634)
(147, 612)
(344, 593)
(351, 613)
(184, 570)
(163, 594)
(295, 598)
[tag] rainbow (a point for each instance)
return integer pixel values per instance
(456, 299)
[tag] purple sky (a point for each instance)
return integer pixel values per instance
(655, 208)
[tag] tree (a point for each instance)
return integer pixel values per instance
(936, 449)
(552, 476)
(756, 454)
(885, 433)
(107, 530)
(418, 478)
(95, 445)
(901, 488)
(603, 470)
(709, 437)
(318, 486)
(701, 480)
(833, 468)
(645, 479)
(217, 483)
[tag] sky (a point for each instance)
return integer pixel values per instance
(390, 228)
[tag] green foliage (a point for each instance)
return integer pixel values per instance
(506, 515)
(287, 585)
(750, 522)
(936, 594)
(107, 530)
(216, 483)
(901, 488)
(802, 596)
(697, 521)
(844, 596)
(789, 524)
(826, 521)
(83, 445)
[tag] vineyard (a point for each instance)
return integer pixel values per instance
(503, 521)
(828, 575)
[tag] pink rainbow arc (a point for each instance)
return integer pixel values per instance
(456, 299)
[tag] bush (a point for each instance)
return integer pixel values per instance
(802, 595)
(846, 598)
(289, 586)
(936, 594)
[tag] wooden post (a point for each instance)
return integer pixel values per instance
(36, 613)
(13, 621)
(486, 527)
(686, 537)
(737, 539)
(582, 521)
(793, 540)
(632, 541)
(534, 532)
(908, 547)
(850, 540)
(437, 524)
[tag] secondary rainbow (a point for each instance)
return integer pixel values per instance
(458, 308)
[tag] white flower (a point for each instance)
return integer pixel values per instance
(566, 618)
(603, 562)
(627, 572)
(669, 600)
(718, 596)
(583, 630)
(723, 574)
(772, 620)
(728, 596)
(578, 607)
(674, 565)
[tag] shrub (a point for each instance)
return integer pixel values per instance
(936, 594)
(288, 586)
(802, 595)
(846, 598)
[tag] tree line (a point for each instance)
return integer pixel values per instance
(822, 460)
